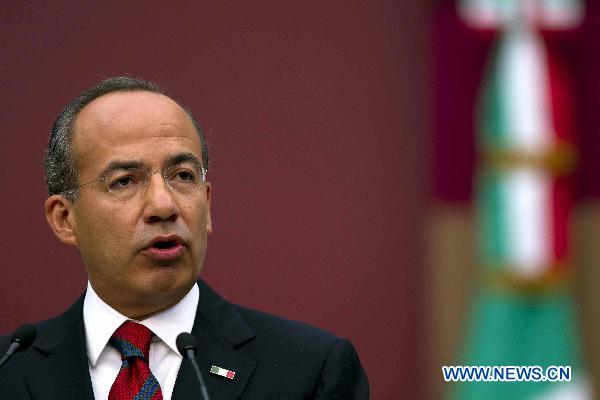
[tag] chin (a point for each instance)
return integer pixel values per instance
(167, 281)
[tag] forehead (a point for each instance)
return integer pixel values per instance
(134, 124)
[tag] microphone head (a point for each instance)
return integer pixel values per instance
(24, 335)
(186, 341)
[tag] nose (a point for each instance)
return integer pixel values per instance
(159, 201)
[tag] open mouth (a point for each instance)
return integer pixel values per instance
(165, 245)
(165, 248)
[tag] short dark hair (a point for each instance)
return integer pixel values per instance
(59, 165)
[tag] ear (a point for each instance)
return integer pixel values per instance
(60, 217)
(208, 220)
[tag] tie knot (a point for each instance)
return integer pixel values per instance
(132, 340)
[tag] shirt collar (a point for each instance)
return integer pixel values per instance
(101, 321)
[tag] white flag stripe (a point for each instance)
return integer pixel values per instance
(524, 91)
(497, 14)
(529, 233)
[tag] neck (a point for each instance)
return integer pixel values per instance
(139, 308)
(140, 314)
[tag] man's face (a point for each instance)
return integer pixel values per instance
(116, 237)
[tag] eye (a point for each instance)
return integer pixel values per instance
(186, 175)
(182, 178)
(182, 175)
(121, 183)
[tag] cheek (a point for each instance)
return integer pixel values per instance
(195, 218)
(101, 230)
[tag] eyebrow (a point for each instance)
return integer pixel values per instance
(181, 158)
(119, 165)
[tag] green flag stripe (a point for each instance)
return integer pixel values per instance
(492, 116)
(519, 330)
(492, 222)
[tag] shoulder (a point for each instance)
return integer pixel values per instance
(305, 356)
(59, 323)
(278, 337)
(282, 329)
(258, 329)
(63, 335)
(50, 332)
(291, 357)
(266, 334)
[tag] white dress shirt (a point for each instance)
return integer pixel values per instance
(101, 321)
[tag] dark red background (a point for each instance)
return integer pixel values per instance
(314, 113)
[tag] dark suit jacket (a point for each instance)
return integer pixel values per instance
(273, 358)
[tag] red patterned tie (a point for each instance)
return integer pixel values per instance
(135, 380)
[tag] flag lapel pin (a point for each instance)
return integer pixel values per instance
(222, 372)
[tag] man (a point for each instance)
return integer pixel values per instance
(126, 173)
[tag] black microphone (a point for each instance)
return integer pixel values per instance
(187, 346)
(21, 339)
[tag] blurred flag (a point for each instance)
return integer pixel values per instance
(522, 313)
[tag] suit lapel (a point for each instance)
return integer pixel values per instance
(219, 329)
(62, 371)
